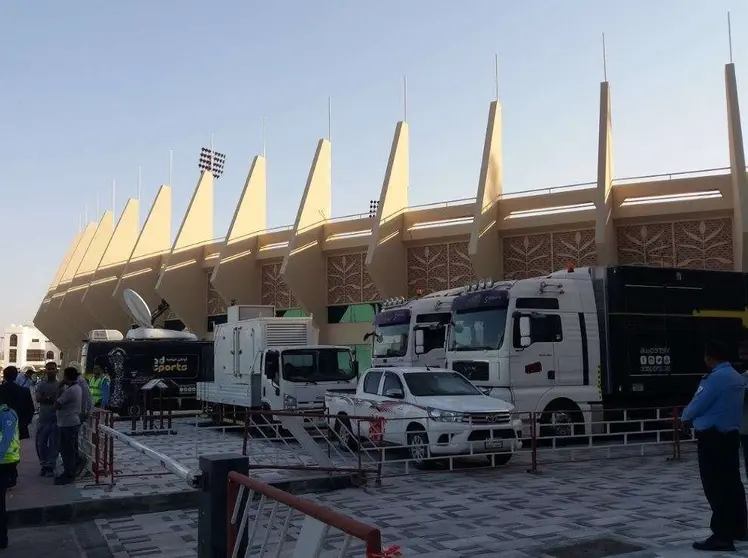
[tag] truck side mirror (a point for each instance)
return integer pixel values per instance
(525, 331)
(419, 342)
(394, 394)
(271, 365)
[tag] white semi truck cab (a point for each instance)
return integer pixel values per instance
(533, 342)
(275, 363)
(412, 332)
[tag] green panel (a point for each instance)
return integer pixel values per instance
(292, 313)
(351, 314)
(363, 355)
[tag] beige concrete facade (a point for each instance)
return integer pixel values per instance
(323, 265)
(71, 307)
(183, 273)
(151, 251)
(98, 298)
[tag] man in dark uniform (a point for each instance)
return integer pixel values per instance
(716, 412)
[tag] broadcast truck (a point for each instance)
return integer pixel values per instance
(578, 344)
(401, 321)
(270, 363)
(144, 353)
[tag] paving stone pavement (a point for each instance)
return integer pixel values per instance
(138, 474)
(500, 513)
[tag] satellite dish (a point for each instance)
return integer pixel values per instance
(137, 308)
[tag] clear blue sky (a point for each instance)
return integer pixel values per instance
(91, 89)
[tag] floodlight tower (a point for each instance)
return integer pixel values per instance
(212, 161)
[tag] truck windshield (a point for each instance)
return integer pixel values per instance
(479, 329)
(317, 365)
(391, 340)
(424, 384)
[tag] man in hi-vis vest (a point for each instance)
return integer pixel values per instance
(99, 386)
(10, 455)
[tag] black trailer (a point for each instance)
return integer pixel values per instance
(132, 363)
(654, 324)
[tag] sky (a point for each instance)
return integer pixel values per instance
(92, 90)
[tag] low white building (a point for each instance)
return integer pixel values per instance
(24, 346)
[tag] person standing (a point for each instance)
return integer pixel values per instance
(26, 379)
(10, 455)
(86, 402)
(86, 408)
(19, 399)
(46, 429)
(99, 385)
(716, 413)
(68, 407)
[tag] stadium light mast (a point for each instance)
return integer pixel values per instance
(211, 160)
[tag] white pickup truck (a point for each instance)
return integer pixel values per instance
(434, 412)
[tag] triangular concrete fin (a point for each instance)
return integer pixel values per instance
(251, 212)
(197, 225)
(124, 237)
(386, 255)
(303, 267)
(155, 236)
(316, 201)
(80, 252)
(605, 238)
(737, 171)
(485, 245)
(97, 247)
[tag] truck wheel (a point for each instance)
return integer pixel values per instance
(345, 434)
(418, 448)
(562, 419)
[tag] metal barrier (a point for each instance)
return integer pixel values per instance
(265, 529)
(192, 478)
(96, 446)
(272, 440)
(385, 445)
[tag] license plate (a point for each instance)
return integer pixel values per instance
(494, 444)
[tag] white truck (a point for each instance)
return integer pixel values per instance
(273, 363)
(412, 332)
(578, 345)
(432, 412)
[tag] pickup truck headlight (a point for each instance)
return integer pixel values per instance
(289, 402)
(445, 416)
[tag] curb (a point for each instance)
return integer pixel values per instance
(86, 510)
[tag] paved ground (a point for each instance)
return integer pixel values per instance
(138, 474)
(58, 541)
(648, 503)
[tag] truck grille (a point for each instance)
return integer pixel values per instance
(500, 417)
(474, 371)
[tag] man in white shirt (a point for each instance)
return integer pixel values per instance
(68, 407)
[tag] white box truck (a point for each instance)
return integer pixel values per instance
(273, 363)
